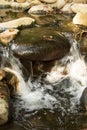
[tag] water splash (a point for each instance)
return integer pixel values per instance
(74, 68)
(67, 77)
(32, 95)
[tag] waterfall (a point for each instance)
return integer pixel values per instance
(16, 69)
(72, 66)
(32, 95)
(68, 76)
(78, 68)
(76, 71)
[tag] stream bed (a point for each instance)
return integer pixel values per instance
(48, 99)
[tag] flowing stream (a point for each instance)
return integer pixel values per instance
(57, 91)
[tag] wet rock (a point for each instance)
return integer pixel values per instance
(24, 21)
(48, 1)
(80, 18)
(40, 44)
(79, 8)
(4, 103)
(40, 9)
(83, 99)
(7, 36)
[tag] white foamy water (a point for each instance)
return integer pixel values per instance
(22, 88)
(35, 95)
(76, 70)
(31, 100)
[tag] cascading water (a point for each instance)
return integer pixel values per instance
(76, 72)
(61, 89)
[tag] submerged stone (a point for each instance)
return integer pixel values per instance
(40, 44)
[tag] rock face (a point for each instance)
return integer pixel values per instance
(43, 47)
(4, 103)
(24, 21)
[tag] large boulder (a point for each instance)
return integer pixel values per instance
(40, 44)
